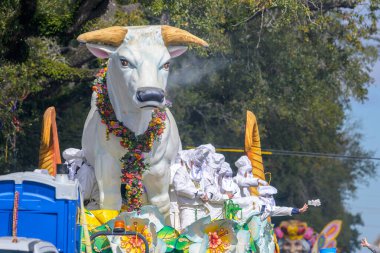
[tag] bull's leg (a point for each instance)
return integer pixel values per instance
(107, 171)
(156, 182)
(163, 203)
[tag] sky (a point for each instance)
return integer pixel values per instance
(367, 202)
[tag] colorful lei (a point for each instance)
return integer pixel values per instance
(133, 165)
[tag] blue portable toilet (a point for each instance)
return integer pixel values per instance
(328, 250)
(48, 208)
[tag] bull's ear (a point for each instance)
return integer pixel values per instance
(175, 51)
(100, 51)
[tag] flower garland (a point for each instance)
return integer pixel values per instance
(133, 165)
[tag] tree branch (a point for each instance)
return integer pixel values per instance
(19, 28)
(324, 7)
(78, 57)
(331, 5)
(88, 10)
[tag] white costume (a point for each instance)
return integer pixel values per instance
(79, 169)
(174, 210)
(218, 191)
(244, 178)
(268, 204)
(226, 183)
(187, 184)
(211, 187)
(214, 163)
(207, 149)
(181, 160)
(263, 204)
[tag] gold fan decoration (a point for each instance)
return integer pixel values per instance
(49, 147)
(253, 149)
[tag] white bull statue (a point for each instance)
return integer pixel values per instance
(138, 67)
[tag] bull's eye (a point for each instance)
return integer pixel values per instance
(124, 62)
(166, 66)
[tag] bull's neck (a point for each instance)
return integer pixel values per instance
(135, 119)
(137, 122)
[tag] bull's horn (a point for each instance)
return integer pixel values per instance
(173, 36)
(112, 36)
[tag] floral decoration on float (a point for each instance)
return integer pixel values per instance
(203, 235)
(133, 162)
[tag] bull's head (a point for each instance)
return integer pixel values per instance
(139, 60)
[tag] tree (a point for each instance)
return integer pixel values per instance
(298, 77)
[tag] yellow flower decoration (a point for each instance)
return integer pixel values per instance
(134, 244)
(221, 236)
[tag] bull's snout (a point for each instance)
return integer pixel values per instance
(147, 95)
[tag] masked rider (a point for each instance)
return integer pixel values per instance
(212, 189)
(187, 183)
(244, 177)
(182, 159)
(79, 169)
(268, 204)
(226, 182)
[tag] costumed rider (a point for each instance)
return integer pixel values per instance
(212, 164)
(244, 177)
(182, 159)
(81, 170)
(226, 182)
(190, 195)
(215, 197)
(206, 149)
(268, 205)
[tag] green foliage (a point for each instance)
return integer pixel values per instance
(45, 69)
(121, 18)
(298, 82)
(54, 17)
(295, 65)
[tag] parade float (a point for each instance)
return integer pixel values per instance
(296, 236)
(131, 140)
